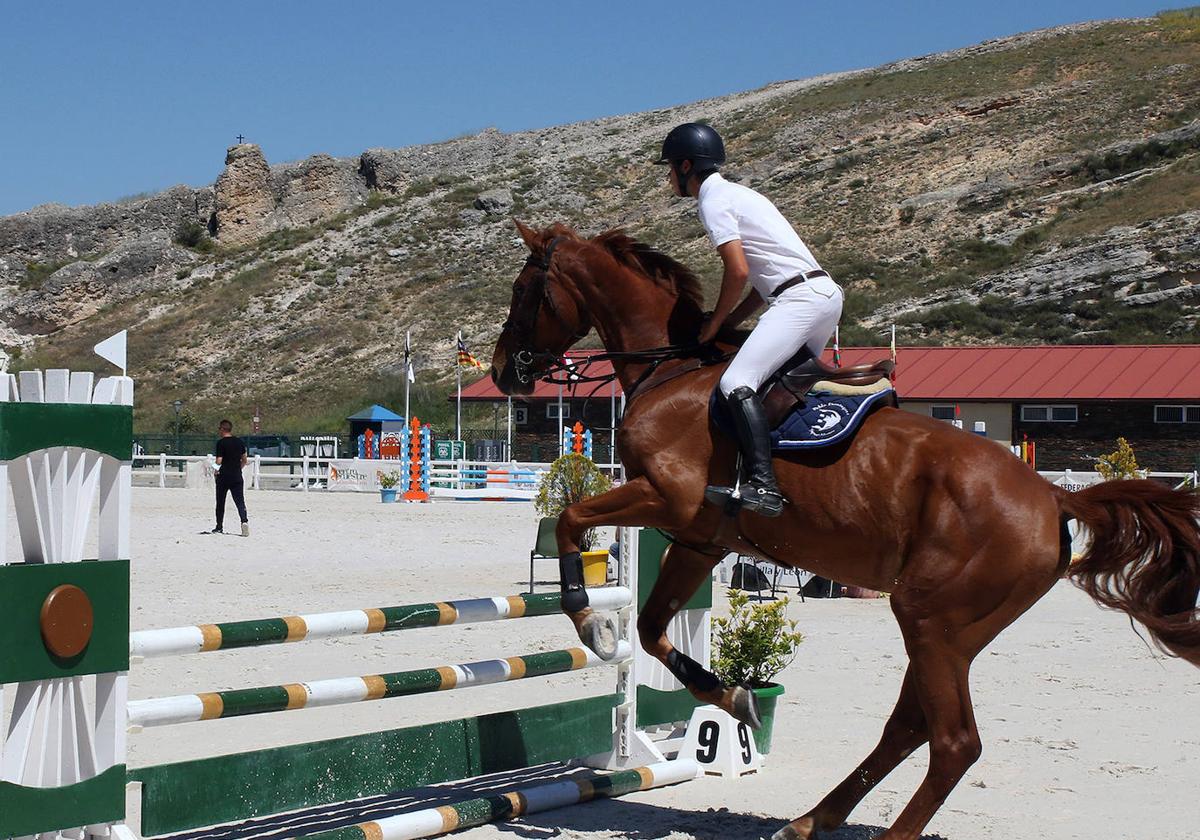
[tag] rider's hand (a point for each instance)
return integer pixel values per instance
(709, 328)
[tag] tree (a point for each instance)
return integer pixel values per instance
(1120, 463)
(572, 478)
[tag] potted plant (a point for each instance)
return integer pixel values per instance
(388, 482)
(570, 479)
(753, 644)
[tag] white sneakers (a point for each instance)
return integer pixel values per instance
(245, 529)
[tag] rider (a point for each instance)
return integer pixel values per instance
(756, 243)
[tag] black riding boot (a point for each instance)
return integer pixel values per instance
(759, 492)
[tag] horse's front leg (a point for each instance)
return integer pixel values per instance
(683, 571)
(636, 502)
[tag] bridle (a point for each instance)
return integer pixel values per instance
(523, 323)
(524, 320)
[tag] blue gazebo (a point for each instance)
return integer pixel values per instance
(376, 418)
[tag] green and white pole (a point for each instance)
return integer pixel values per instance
(434, 822)
(188, 708)
(203, 638)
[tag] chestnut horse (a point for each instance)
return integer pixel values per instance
(964, 536)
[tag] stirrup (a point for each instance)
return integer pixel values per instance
(765, 501)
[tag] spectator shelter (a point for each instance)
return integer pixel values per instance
(376, 418)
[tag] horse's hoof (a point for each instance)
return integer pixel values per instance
(600, 634)
(744, 707)
(792, 832)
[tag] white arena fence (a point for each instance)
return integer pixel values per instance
(451, 479)
(307, 473)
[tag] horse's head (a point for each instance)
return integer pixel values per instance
(546, 316)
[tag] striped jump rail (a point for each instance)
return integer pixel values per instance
(202, 638)
(433, 822)
(188, 708)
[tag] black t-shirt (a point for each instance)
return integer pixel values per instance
(230, 450)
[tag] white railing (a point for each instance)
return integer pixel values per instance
(1078, 479)
(270, 473)
(308, 473)
(305, 473)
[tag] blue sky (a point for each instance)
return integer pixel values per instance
(104, 100)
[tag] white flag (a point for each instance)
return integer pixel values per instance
(112, 349)
(408, 365)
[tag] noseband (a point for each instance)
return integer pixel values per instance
(524, 320)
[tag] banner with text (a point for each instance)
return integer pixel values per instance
(360, 475)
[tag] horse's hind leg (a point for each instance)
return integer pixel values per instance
(904, 732)
(682, 574)
(942, 670)
(935, 701)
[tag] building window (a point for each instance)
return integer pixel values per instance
(520, 414)
(1050, 414)
(1177, 414)
(942, 412)
(552, 410)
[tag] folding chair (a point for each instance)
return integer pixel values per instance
(545, 546)
(802, 578)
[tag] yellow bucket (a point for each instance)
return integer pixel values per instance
(595, 568)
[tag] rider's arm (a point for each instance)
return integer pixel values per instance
(749, 305)
(732, 283)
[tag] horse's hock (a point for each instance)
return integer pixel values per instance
(65, 644)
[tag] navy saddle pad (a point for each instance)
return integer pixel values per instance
(820, 419)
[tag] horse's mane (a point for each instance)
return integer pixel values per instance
(656, 267)
(653, 263)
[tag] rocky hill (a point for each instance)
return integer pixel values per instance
(1040, 188)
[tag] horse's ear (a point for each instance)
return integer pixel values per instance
(532, 238)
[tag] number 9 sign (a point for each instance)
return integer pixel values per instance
(721, 745)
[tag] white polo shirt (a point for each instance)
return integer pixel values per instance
(774, 251)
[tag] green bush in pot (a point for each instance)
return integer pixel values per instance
(570, 479)
(750, 647)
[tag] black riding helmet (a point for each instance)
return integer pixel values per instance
(696, 142)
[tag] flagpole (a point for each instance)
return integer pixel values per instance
(893, 354)
(612, 423)
(621, 472)
(407, 378)
(458, 411)
(510, 452)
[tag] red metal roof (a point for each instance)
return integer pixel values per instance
(1059, 372)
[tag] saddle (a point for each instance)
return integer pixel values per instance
(804, 372)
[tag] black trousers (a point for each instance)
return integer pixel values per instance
(232, 485)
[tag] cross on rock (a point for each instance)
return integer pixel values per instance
(241, 138)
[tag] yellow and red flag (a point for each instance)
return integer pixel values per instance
(465, 359)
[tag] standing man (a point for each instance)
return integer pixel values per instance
(231, 457)
(756, 243)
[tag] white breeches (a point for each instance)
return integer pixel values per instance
(804, 315)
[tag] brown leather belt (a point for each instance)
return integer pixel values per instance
(796, 281)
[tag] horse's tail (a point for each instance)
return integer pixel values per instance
(1144, 557)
